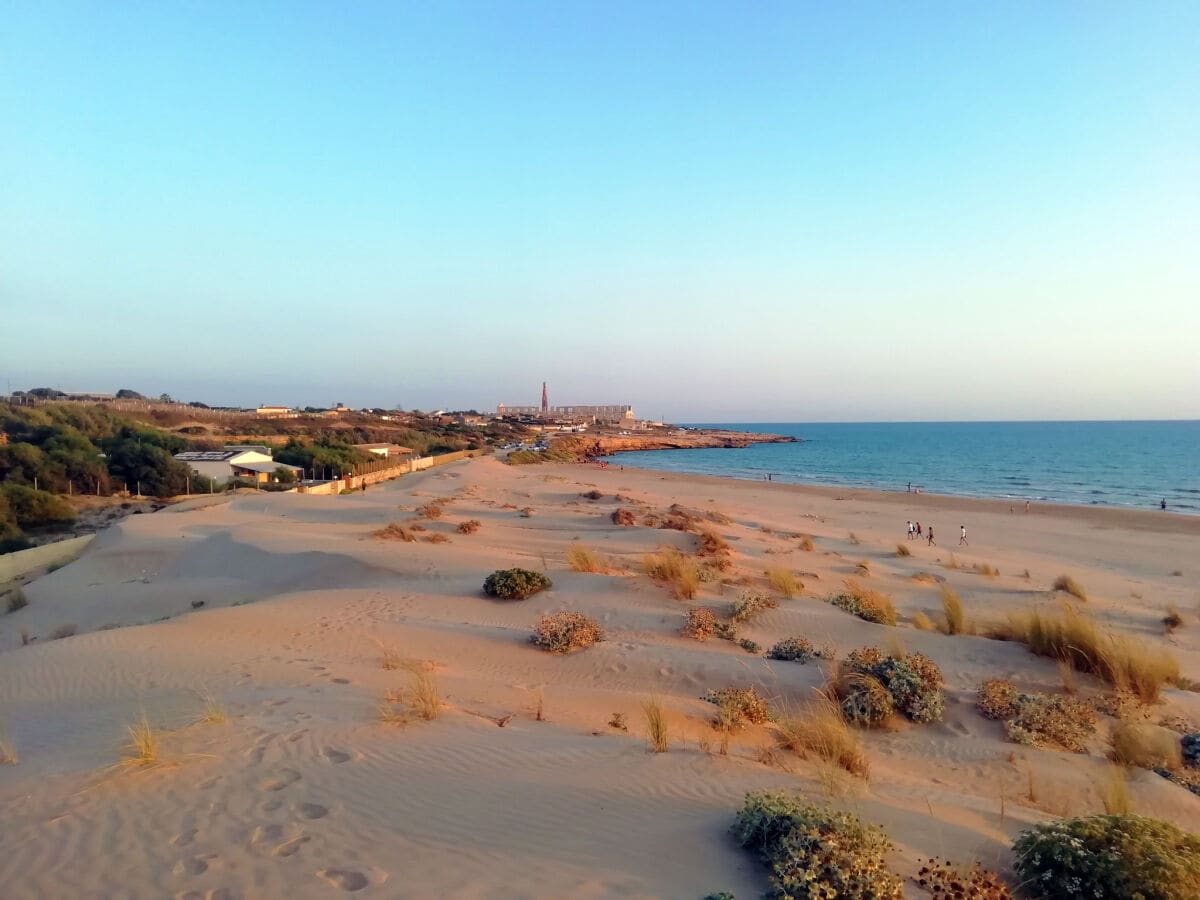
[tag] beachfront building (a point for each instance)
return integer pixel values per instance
(265, 472)
(219, 464)
(601, 414)
(386, 451)
(275, 412)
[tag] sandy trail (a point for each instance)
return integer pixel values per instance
(304, 792)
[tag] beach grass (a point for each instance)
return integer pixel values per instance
(584, 559)
(784, 581)
(658, 734)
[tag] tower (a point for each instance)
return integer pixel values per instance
(545, 400)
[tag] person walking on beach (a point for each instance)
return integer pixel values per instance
(1163, 505)
(931, 536)
(918, 526)
(1026, 506)
(962, 536)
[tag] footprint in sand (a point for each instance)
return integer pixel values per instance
(336, 756)
(279, 780)
(184, 837)
(313, 810)
(340, 680)
(191, 865)
(297, 735)
(271, 805)
(290, 848)
(346, 879)
(265, 834)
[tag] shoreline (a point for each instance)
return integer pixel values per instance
(1113, 516)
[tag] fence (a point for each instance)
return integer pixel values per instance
(385, 470)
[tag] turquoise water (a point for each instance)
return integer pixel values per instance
(1123, 464)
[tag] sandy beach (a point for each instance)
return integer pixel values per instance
(281, 609)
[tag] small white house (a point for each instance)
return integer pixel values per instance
(219, 464)
(386, 451)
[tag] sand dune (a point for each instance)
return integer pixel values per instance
(304, 792)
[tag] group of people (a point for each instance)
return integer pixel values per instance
(915, 533)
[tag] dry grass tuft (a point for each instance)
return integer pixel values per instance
(822, 730)
(424, 700)
(922, 622)
(214, 711)
(1173, 620)
(469, 527)
(1069, 585)
(143, 746)
(712, 545)
(806, 544)
(903, 550)
(583, 559)
(952, 609)
(437, 538)
(63, 631)
(15, 599)
(863, 568)
(1070, 635)
(1144, 745)
(676, 570)
(393, 709)
(986, 569)
(1114, 792)
(395, 532)
(658, 733)
(430, 511)
(784, 581)
(8, 749)
(872, 606)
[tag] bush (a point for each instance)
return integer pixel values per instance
(947, 882)
(592, 495)
(750, 605)
(750, 646)
(701, 624)
(395, 532)
(515, 584)
(35, 509)
(997, 699)
(821, 729)
(740, 705)
(1121, 857)
(566, 632)
(871, 606)
(902, 550)
(815, 852)
(1051, 720)
(623, 517)
(1190, 744)
(912, 683)
(794, 649)
(469, 527)
(1145, 745)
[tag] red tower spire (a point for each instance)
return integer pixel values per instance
(545, 400)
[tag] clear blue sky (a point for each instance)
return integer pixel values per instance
(824, 211)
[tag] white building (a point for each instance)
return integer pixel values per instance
(219, 464)
(387, 451)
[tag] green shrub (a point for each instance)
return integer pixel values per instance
(750, 646)
(750, 605)
(1121, 857)
(815, 852)
(912, 681)
(566, 632)
(515, 584)
(794, 649)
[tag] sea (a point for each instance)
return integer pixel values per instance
(1131, 465)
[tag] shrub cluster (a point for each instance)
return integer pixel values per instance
(1122, 857)
(701, 624)
(948, 882)
(794, 649)
(912, 683)
(566, 632)
(470, 526)
(395, 532)
(813, 851)
(1191, 749)
(623, 517)
(739, 706)
(515, 584)
(872, 606)
(750, 605)
(1055, 721)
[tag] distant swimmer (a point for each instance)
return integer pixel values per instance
(962, 536)
(1163, 505)
(931, 544)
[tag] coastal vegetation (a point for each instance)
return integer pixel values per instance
(515, 584)
(869, 605)
(566, 632)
